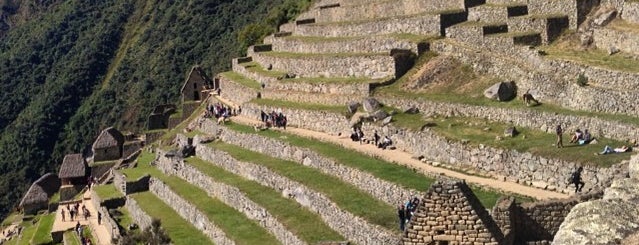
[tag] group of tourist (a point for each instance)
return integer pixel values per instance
(221, 112)
(74, 211)
(406, 211)
(83, 239)
(273, 119)
(358, 135)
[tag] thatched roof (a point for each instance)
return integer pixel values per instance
(41, 190)
(196, 74)
(109, 137)
(73, 166)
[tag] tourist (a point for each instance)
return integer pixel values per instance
(559, 131)
(402, 217)
(62, 213)
(575, 178)
(577, 136)
(71, 214)
(386, 142)
(78, 228)
(360, 135)
(608, 150)
(99, 218)
(586, 138)
(376, 137)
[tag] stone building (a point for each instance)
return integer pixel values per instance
(73, 170)
(37, 197)
(108, 146)
(159, 117)
(196, 82)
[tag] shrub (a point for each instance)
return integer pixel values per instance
(582, 80)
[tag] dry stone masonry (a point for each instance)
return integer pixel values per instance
(351, 227)
(231, 196)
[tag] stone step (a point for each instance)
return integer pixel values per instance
(620, 35)
(362, 44)
(238, 88)
(373, 65)
(492, 13)
(422, 24)
(474, 31)
(549, 25)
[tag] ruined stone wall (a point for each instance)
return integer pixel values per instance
(383, 9)
(67, 192)
(131, 147)
(130, 187)
(631, 12)
(626, 41)
(323, 121)
(188, 211)
(187, 109)
(237, 92)
(548, 80)
(112, 227)
(575, 9)
(372, 66)
(141, 218)
(153, 136)
(311, 98)
(451, 213)
(380, 189)
(231, 196)
(351, 227)
(374, 44)
(525, 117)
(427, 25)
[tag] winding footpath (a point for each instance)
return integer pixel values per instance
(404, 158)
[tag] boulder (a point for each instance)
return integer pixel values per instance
(502, 91)
(511, 132)
(379, 115)
(387, 120)
(352, 107)
(633, 167)
(371, 105)
(605, 18)
(612, 50)
(412, 110)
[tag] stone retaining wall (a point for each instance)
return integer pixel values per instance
(626, 41)
(351, 227)
(427, 25)
(631, 12)
(237, 92)
(130, 187)
(575, 9)
(380, 189)
(112, 227)
(332, 88)
(322, 121)
(525, 117)
(188, 211)
(231, 196)
(372, 66)
(383, 9)
(310, 98)
(375, 44)
(550, 80)
(141, 218)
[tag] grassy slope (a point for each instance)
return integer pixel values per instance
(43, 233)
(299, 220)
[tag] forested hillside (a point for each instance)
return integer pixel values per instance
(81, 66)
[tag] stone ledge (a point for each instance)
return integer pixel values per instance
(371, 44)
(427, 25)
(606, 38)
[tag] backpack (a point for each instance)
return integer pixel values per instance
(574, 177)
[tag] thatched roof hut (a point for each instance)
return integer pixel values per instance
(110, 137)
(40, 191)
(73, 166)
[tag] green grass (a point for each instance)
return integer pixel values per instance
(393, 173)
(301, 106)
(593, 57)
(236, 77)
(28, 232)
(179, 230)
(43, 232)
(235, 225)
(533, 141)
(70, 238)
(307, 225)
(86, 232)
(55, 198)
(102, 163)
(346, 196)
(143, 167)
(257, 68)
(106, 192)
(125, 219)
(12, 218)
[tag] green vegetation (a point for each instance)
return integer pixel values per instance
(180, 231)
(106, 192)
(123, 218)
(79, 66)
(592, 57)
(71, 238)
(242, 80)
(55, 198)
(234, 224)
(11, 219)
(143, 168)
(257, 68)
(43, 232)
(393, 173)
(30, 228)
(533, 141)
(102, 163)
(346, 196)
(304, 223)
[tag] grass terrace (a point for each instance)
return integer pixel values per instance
(481, 131)
(593, 57)
(255, 67)
(249, 83)
(12, 218)
(346, 196)
(29, 230)
(107, 192)
(394, 173)
(70, 238)
(307, 225)
(179, 230)
(123, 218)
(143, 168)
(311, 55)
(102, 163)
(235, 225)
(43, 232)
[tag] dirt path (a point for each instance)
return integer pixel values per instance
(404, 158)
(99, 232)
